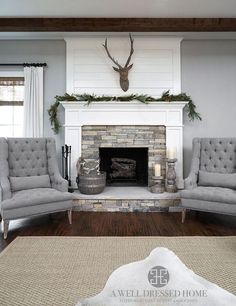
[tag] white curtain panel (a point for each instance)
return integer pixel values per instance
(33, 102)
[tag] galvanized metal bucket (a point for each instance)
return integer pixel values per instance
(91, 183)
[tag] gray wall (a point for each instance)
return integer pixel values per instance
(209, 76)
(53, 52)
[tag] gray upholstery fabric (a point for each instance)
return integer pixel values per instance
(31, 162)
(216, 207)
(213, 194)
(35, 210)
(57, 181)
(211, 156)
(218, 155)
(5, 190)
(35, 196)
(27, 156)
(191, 181)
(227, 180)
(29, 182)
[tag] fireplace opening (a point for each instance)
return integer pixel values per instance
(125, 166)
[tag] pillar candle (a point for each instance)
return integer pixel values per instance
(157, 169)
(171, 153)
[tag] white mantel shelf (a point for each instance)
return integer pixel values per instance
(169, 114)
(153, 113)
(121, 104)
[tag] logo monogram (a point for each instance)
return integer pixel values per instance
(158, 276)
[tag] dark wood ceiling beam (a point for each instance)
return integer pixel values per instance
(117, 24)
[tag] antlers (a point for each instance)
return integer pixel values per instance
(130, 54)
(109, 55)
(131, 50)
(123, 71)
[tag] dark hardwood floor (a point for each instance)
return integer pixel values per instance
(122, 224)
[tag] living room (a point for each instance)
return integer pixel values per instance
(117, 152)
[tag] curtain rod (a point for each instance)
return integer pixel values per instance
(26, 64)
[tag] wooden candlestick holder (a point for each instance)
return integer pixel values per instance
(171, 176)
(158, 184)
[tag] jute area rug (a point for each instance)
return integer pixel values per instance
(48, 271)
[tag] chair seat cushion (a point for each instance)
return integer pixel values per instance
(211, 194)
(31, 197)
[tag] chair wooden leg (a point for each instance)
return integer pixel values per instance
(184, 211)
(69, 212)
(5, 228)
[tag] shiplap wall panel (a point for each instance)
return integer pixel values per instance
(156, 65)
(110, 83)
(148, 76)
(87, 67)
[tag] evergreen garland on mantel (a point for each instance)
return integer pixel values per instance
(166, 97)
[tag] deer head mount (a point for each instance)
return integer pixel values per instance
(123, 71)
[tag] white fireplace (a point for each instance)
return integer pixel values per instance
(169, 114)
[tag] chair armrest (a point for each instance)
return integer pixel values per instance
(4, 171)
(1, 194)
(5, 190)
(191, 181)
(59, 183)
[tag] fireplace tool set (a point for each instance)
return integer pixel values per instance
(66, 165)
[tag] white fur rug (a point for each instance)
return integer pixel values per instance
(160, 279)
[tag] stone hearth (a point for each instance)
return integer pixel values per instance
(126, 199)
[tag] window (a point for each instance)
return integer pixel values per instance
(11, 106)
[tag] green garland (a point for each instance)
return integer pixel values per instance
(166, 96)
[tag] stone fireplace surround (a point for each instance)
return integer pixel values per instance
(130, 136)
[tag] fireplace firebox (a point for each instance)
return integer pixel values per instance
(125, 166)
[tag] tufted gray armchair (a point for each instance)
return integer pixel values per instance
(211, 184)
(30, 182)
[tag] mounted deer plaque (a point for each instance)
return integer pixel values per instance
(123, 71)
